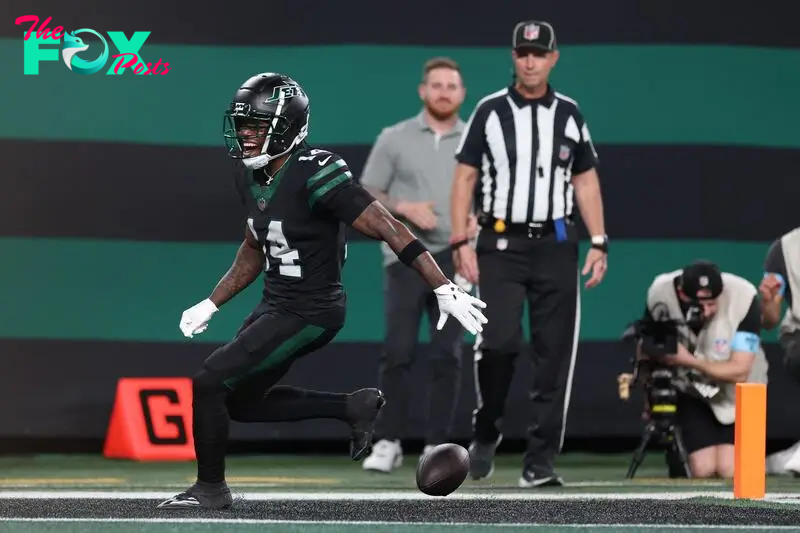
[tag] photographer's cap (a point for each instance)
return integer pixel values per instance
(536, 34)
(701, 277)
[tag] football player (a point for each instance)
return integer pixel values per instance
(299, 201)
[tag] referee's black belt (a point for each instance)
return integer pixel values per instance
(531, 230)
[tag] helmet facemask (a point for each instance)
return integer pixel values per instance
(257, 138)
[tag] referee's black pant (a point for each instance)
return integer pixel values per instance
(543, 269)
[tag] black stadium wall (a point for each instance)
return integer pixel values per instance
(118, 209)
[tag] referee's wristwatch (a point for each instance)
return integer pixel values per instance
(600, 242)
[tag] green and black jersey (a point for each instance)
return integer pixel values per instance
(300, 219)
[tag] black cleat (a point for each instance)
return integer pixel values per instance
(201, 496)
(363, 407)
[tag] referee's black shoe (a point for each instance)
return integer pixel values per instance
(363, 407)
(481, 458)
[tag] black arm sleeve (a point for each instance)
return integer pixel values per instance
(776, 264)
(473, 141)
(347, 201)
(751, 322)
(585, 153)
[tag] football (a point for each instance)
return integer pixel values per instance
(443, 469)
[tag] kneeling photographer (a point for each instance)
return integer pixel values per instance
(715, 320)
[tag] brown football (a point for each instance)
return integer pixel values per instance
(443, 469)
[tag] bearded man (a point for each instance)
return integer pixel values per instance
(410, 169)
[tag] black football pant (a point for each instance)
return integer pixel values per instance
(406, 296)
(237, 382)
(543, 272)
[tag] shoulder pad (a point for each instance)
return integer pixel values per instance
(318, 157)
(315, 155)
(318, 164)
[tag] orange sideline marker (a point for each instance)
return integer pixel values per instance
(750, 444)
(151, 420)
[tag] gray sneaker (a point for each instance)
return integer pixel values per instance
(531, 479)
(481, 458)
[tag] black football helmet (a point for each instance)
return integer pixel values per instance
(267, 118)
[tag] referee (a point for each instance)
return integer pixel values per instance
(531, 148)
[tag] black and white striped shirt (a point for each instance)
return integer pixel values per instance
(527, 150)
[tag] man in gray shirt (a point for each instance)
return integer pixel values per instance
(410, 170)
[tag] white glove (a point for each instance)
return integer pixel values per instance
(454, 301)
(195, 319)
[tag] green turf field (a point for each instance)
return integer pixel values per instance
(331, 494)
(338, 473)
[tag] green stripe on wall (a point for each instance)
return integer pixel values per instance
(124, 290)
(630, 94)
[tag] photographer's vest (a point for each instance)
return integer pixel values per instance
(790, 243)
(714, 341)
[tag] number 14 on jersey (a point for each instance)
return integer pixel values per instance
(279, 250)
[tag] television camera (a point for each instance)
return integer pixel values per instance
(657, 336)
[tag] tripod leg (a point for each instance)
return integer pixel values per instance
(680, 448)
(673, 460)
(638, 456)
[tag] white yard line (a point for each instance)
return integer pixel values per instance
(261, 523)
